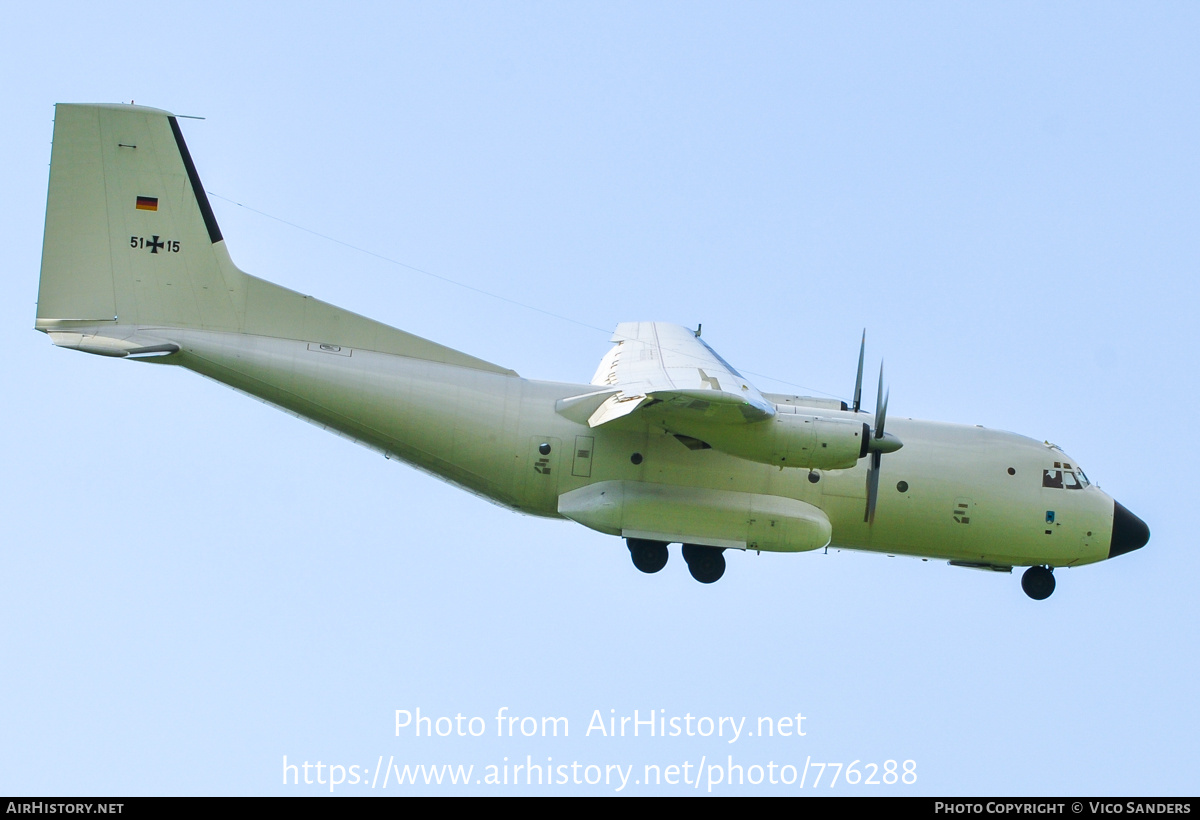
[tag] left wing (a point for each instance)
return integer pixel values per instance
(654, 363)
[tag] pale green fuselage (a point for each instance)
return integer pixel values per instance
(484, 431)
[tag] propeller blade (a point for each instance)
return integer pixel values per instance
(879, 444)
(862, 350)
(881, 416)
(872, 487)
(879, 441)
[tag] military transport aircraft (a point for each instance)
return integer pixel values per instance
(668, 444)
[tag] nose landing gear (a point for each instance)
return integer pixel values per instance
(1038, 583)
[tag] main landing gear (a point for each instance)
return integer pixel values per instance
(1038, 583)
(707, 564)
(648, 556)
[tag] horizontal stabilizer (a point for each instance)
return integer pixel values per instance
(107, 345)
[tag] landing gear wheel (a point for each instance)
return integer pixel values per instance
(648, 556)
(1038, 583)
(707, 564)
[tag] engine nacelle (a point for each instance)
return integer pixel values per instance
(789, 439)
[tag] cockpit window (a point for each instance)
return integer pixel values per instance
(1064, 477)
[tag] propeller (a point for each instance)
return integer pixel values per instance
(880, 442)
(876, 452)
(862, 350)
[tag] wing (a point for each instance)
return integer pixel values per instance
(654, 364)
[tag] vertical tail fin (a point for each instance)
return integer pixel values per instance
(130, 236)
(131, 243)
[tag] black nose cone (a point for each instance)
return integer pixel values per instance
(1129, 532)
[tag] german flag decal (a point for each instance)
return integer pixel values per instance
(147, 203)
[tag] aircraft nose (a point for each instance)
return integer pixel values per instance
(1128, 533)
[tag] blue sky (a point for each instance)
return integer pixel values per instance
(1004, 195)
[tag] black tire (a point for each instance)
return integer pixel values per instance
(648, 556)
(1038, 583)
(707, 564)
